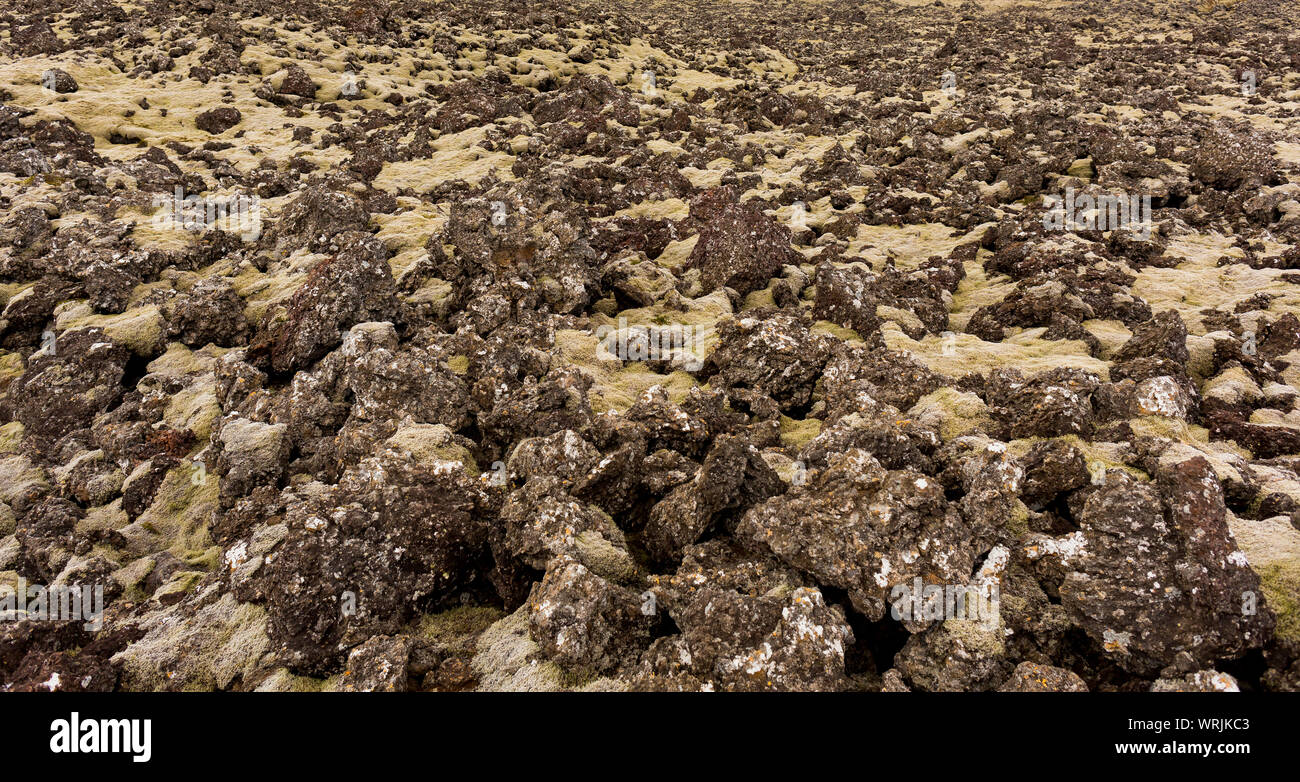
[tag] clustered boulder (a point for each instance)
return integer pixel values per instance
(715, 349)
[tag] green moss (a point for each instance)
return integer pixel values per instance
(675, 254)
(102, 519)
(140, 329)
(1018, 523)
(131, 578)
(1112, 334)
(179, 585)
(12, 290)
(11, 434)
(281, 680)
(428, 443)
(1273, 548)
(1099, 455)
(435, 295)
(454, 623)
(604, 558)
(458, 364)
(617, 386)
(953, 413)
(758, 299)
(1281, 584)
(505, 659)
(572, 679)
(194, 409)
(179, 361)
(607, 307)
(211, 648)
(11, 367)
(975, 635)
(835, 330)
(703, 311)
(18, 476)
(958, 354)
(262, 292)
(796, 434)
(180, 514)
(1197, 437)
(206, 559)
(1082, 169)
(905, 319)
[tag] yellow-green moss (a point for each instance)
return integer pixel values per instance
(179, 585)
(11, 434)
(17, 476)
(617, 386)
(1081, 168)
(104, 518)
(458, 364)
(796, 434)
(432, 442)
(958, 354)
(282, 680)
(1281, 584)
(456, 623)
(1272, 546)
(223, 641)
(131, 578)
(835, 330)
(195, 410)
(180, 361)
(180, 514)
(139, 329)
(1018, 523)
(953, 413)
(604, 558)
(11, 366)
(1099, 455)
(760, 298)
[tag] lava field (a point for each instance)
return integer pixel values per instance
(650, 346)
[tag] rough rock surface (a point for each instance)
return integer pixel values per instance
(701, 345)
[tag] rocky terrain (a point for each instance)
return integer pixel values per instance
(650, 345)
